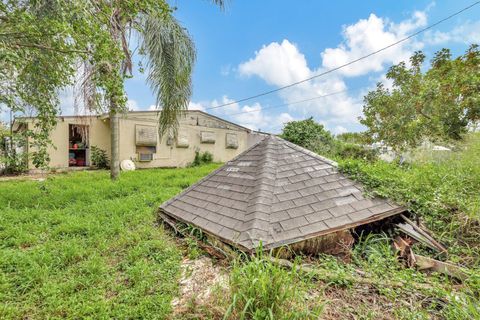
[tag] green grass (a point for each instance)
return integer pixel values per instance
(445, 193)
(80, 246)
(260, 289)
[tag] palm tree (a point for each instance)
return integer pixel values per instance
(170, 54)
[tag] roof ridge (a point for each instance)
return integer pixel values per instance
(309, 152)
(211, 174)
(260, 199)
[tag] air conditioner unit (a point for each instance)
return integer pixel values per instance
(145, 156)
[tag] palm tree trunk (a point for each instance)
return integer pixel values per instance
(114, 140)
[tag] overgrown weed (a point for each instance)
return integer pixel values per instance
(261, 289)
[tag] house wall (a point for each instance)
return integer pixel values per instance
(191, 126)
(99, 135)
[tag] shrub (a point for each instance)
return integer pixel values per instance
(201, 158)
(355, 151)
(99, 158)
(12, 160)
(308, 134)
(444, 193)
(261, 289)
(207, 157)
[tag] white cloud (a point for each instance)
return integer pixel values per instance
(152, 107)
(369, 35)
(281, 64)
(467, 33)
(277, 63)
(132, 105)
(255, 120)
(230, 108)
(285, 118)
(195, 106)
(339, 130)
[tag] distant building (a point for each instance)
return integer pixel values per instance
(73, 137)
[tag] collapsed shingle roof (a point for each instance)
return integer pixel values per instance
(278, 193)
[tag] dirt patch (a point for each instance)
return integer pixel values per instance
(204, 295)
(365, 302)
(200, 278)
(34, 177)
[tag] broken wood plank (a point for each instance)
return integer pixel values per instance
(327, 276)
(411, 232)
(425, 236)
(402, 245)
(425, 263)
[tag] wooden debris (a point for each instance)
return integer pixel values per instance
(338, 244)
(359, 278)
(402, 245)
(411, 229)
(211, 246)
(426, 263)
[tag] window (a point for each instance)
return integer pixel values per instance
(145, 135)
(146, 153)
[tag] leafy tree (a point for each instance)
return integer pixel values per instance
(438, 104)
(10, 160)
(308, 134)
(38, 48)
(353, 137)
(3, 141)
(52, 37)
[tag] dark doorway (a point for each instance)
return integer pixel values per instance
(77, 145)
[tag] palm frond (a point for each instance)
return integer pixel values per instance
(171, 55)
(221, 3)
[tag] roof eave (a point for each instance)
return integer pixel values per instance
(369, 220)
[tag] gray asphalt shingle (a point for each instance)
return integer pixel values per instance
(276, 193)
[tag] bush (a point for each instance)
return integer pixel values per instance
(444, 193)
(355, 151)
(201, 158)
(354, 137)
(12, 161)
(15, 163)
(99, 158)
(313, 136)
(207, 157)
(261, 289)
(309, 134)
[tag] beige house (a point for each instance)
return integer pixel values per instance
(74, 136)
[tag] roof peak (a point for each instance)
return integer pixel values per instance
(276, 193)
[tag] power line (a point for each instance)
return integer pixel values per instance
(348, 63)
(294, 102)
(283, 123)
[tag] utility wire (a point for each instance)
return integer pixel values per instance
(349, 63)
(283, 123)
(294, 102)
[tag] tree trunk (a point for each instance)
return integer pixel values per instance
(114, 140)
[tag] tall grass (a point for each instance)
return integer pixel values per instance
(445, 193)
(261, 289)
(80, 246)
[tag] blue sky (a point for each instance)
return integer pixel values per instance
(255, 46)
